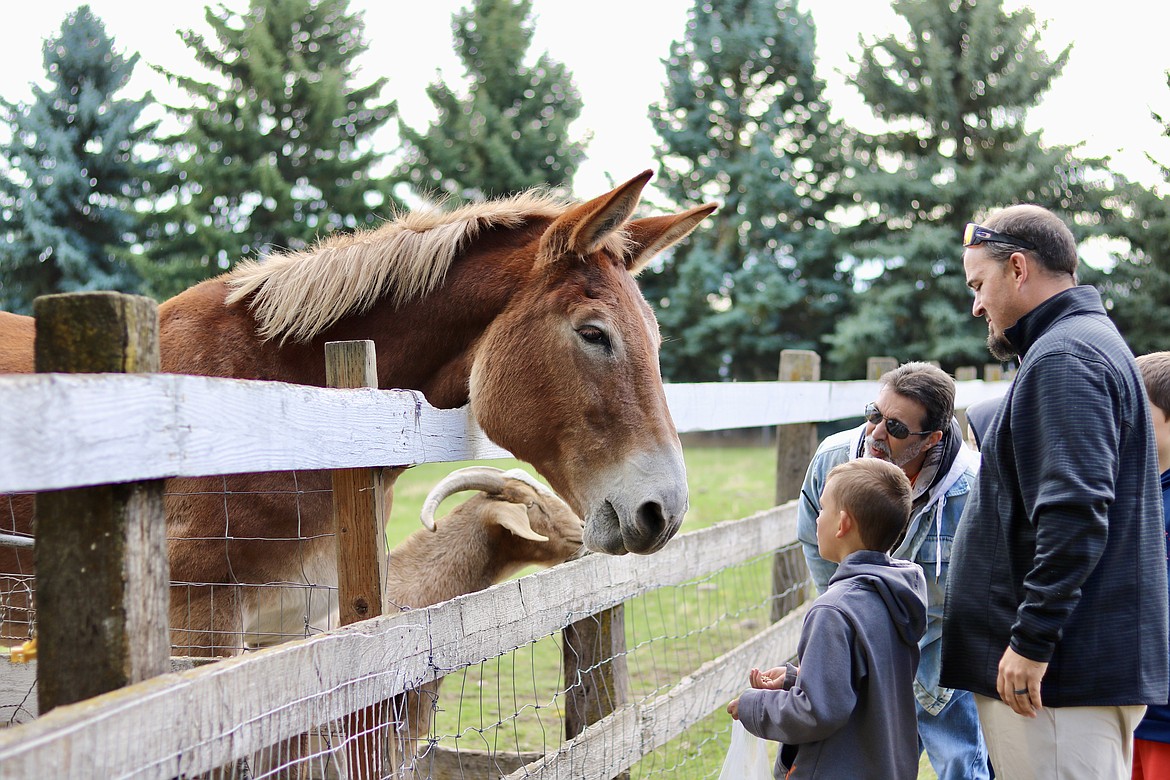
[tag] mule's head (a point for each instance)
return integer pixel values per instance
(567, 376)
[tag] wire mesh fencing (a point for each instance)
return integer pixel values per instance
(366, 700)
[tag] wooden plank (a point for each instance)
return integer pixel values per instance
(876, 366)
(714, 406)
(605, 749)
(18, 681)
(102, 574)
(70, 431)
(18, 693)
(442, 763)
(195, 721)
(968, 393)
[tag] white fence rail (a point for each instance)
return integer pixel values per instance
(72, 430)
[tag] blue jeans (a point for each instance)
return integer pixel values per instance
(953, 740)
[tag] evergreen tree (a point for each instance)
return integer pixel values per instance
(744, 122)
(510, 132)
(1137, 290)
(276, 151)
(954, 93)
(73, 172)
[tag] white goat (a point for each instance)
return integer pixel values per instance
(513, 522)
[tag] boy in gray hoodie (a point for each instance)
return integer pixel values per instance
(848, 711)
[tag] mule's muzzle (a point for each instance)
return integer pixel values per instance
(652, 528)
(646, 530)
(603, 531)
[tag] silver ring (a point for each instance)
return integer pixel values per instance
(1019, 691)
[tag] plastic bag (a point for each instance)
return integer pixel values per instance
(747, 758)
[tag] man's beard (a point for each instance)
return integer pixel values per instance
(910, 453)
(999, 347)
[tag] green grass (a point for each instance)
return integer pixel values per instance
(669, 632)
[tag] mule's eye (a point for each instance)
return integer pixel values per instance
(594, 335)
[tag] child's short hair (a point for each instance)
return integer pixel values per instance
(1155, 368)
(877, 494)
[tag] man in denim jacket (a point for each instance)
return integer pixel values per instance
(911, 424)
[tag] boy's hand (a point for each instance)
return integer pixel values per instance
(733, 709)
(771, 680)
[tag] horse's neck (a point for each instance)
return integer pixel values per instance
(429, 345)
(426, 345)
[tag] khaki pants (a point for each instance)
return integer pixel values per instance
(1060, 743)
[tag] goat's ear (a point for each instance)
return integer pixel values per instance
(514, 517)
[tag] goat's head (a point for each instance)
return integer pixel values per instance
(519, 503)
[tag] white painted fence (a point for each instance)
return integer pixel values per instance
(73, 430)
(59, 431)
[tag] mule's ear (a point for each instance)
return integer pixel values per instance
(651, 235)
(580, 229)
(514, 517)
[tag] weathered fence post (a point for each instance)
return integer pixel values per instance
(357, 499)
(361, 547)
(876, 366)
(597, 676)
(102, 573)
(795, 446)
(965, 374)
(992, 372)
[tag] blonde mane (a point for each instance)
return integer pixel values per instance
(297, 295)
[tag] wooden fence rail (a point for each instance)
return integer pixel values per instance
(70, 430)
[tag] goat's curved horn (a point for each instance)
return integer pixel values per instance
(531, 481)
(470, 478)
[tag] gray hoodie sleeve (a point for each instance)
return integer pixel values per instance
(824, 695)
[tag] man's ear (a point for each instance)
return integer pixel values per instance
(934, 438)
(1020, 267)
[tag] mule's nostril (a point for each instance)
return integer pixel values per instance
(651, 519)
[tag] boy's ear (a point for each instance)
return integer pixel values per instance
(845, 524)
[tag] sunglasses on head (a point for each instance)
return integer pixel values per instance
(973, 235)
(895, 428)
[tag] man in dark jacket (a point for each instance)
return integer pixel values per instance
(1056, 605)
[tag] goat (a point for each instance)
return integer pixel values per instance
(514, 521)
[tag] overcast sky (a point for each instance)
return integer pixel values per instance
(614, 49)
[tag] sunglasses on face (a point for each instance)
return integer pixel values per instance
(973, 235)
(895, 428)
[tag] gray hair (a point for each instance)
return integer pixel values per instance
(928, 385)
